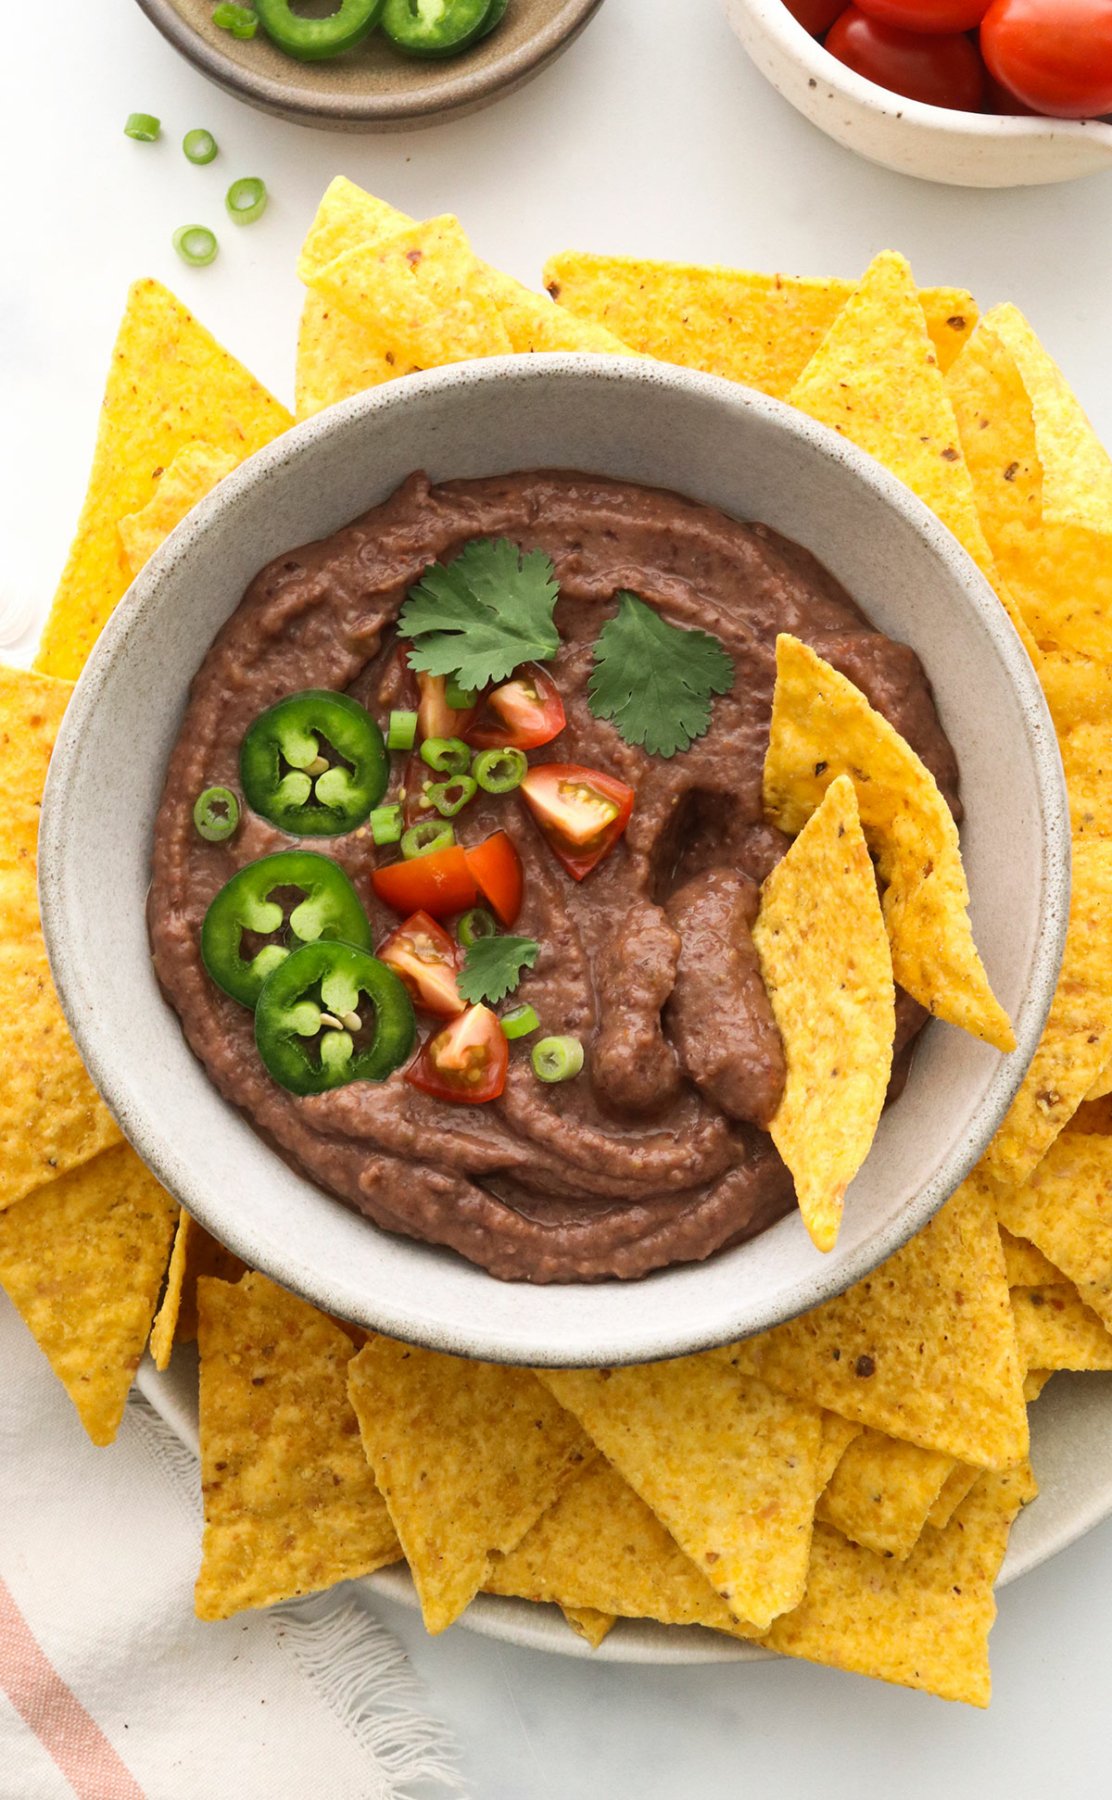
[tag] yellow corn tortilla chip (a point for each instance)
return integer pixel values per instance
(1056, 1330)
(1074, 1048)
(923, 1622)
(1078, 689)
(467, 1455)
(601, 1547)
(290, 1504)
(1095, 1112)
(1033, 1383)
(1065, 1209)
(165, 1325)
(837, 1436)
(760, 330)
(728, 1466)
(346, 217)
(589, 1624)
(1100, 1090)
(882, 1493)
(961, 1480)
(338, 357)
(170, 384)
(194, 1255)
(1087, 764)
(876, 380)
(1076, 468)
(51, 1116)
(923, 1349)
(83, 1260)
(194, 472)
(1025, 1266)
(1054, 562)
(827, 968)
(823, 727)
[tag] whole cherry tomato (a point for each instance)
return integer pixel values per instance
(816, 16)
(1056, 55)
(999, 99)
(940, 71)
(930, 16)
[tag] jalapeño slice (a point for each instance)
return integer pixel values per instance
(312, 40)
(434, 27)
(333, 1013)
(316, 901)
(314, 764)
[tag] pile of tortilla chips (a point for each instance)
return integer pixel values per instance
(840, 1488)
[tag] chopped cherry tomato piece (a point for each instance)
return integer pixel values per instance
(465, 1061)
(582, 812)
(428, 961)
(1056, 55)
(439, 883)
(816, 16)
(522, 714)
(496, 867)
(928, 16)
(945, 70)
(435, 718)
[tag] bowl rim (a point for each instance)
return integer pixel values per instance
(796, 41)
(458, 92)
(654, 1338)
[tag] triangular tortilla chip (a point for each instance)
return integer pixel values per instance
(837, 1436)
(882, 1493)
(759, 330)
(823, 727)
(589, 1624)
(290, 1504)
(194, 472)
(1025, 1266)
(51, 1116)
(1056, 1330)
(468, 1455)
(195, 1254)
(170, 384)
(923, 1349)
(83, 1260)
(827, 967)
(1065, 1209)
(728, 1466)
(1076, 468)
(961, 1480)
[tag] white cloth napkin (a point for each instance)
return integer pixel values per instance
(110, 1689)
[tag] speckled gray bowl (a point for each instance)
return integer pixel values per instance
(638, 421)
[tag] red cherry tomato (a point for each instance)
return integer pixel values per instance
(1056, 55)
(439, 883)
(466, 1061)
(428, 962)
(435, 718)
(496, 869)
(940, 71)
(929, 16)
(522, 714)
(816, 16)
(582, 812)
(999, 99)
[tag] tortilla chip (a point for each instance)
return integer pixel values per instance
(1049, 546)
(1078, 689)
(760, 330)
(1025, 1266)
(823, 727)
(1065, 1208)
(1077, 1038)
(1033, 1383)
(468, 1455)
(728, 1466)
(924, 1622)
(165, 1324)
(882, 1493)
(923, 1349)
(827, 967)
(290, 1504)
(346, 217)
(1095, 1112)
(1087, 764)
(51, 1116)
(589, 1624)
(837, 1436)
(195, 1254)
(83, 1260)
(336, 357)
(194, 472)
(1100, 1090)
(1056, 1330)
(961, 1480)
(600, 1546)
(170, 385)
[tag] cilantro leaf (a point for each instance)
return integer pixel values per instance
(483, 614)
(654, 680)
(493, 967)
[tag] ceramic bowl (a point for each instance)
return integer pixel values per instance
(373, 88)
(966, 149)
(637, 421)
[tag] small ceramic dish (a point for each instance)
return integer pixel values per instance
(374, 88)
(966, 149)
(636, 421)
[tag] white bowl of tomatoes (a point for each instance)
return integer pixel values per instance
(979, 93)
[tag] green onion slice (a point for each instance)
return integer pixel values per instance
(460, 699)
(451, 796)
(520, 1021)
(143, 127)
(476, 924)
(239, 20)
(246, 199)
(199, 146)
(386, 824)
(429, 835)
(557, 1058)
(196, 245)
(401, 733)
(216, 814)
(500, 771)
(448, 756)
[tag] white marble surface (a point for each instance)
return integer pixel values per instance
(652, 136)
